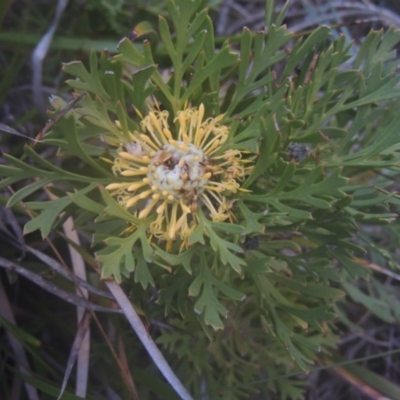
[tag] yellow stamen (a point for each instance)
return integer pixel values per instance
(145, 212)
(148, 141)
(218, 199)
(128, 156)
(184, 207)
(216, 189)
(212, 145)
(183, 148)
(172, 222)
(132, 201)
(167, 134)
(160, 209)
(145, 194)
(147, 125)
(208, 204)
(206, 176)
(182, 131)
(199, 121)
(182, 222)
(140, 171)
(136, 185)
(113, 186)
(156, 123)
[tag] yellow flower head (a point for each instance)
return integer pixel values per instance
(172, 175)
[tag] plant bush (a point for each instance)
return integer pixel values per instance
(226, 187)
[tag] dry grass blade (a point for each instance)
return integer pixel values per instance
(359, 384)
(146, 340)
(52, 288)
(378, 268)
(7, 129)
(60, 269)
(17, 348)
(40, 53)
(336, 11)
(8, 220)
(127, 377)
(78, 266)
(75, 349)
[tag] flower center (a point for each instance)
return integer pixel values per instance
(178, 171)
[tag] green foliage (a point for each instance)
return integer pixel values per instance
(240, 313)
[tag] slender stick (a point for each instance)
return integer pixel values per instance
(147, 341)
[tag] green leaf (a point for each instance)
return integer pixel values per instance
(376, 306)
(174, 294)
(353, 268)
(117, 258)
(23, 169)
(88, 81)
(251, 219)
(48, 388)
(301, 49)
(310, 315)
(285, 179)
(310, 289)
(212, 308)
(207, 303)
(68, 128)
(113, 209)
(142, 273)
(223, 247)
(84, 202)
(284, 334)
(166, 37)
(197, 236)
(168, 259)
(331, 185)
(27, 191)
(195, 48)
(225, 227)
(20, 334)
(225, 58)
(270, 140)
(51, 210)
